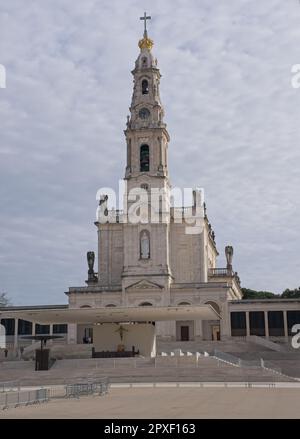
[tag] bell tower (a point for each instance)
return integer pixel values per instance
(147, 138)
(146, 133)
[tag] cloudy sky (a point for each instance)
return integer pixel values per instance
(231, 112)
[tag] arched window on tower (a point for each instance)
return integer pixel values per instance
(145, 244)
(145, 87)
(144, 158)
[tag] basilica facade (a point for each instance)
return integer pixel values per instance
(162, 258)
(157, 260)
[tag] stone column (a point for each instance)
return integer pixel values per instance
(16, 333)
(285, 325)
(72, 333)
(266, 324)
(247, 324)
(33, 331)
(51, 333)
(129, 155)
(225, 325)
(203, 266)
(198, 330)
(160, 152)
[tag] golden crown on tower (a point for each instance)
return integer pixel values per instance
(146, 43)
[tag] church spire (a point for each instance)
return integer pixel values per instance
(146, 133)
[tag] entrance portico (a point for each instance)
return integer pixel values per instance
(117, 328)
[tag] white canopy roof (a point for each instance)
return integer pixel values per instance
(113, 314)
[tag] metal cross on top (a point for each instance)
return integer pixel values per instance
(145, 18)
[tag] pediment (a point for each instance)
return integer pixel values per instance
(144, 285)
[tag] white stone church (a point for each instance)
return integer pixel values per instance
(176, 268)
(155, 263)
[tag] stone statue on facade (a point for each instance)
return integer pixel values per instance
(102, 210)
(229, 256)
(92, 277)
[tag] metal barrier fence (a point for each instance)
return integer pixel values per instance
(9, 386)
(76, 390)
(111, 363)
(24, 397)
(16, 398)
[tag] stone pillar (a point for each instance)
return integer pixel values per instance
(72, 333)
(16, 333)
(198, 330)
(225, 325)
(266, 324)
(285, 325)
(203, 266)
(160, 152)
(129, 155)
(51, 329)
(247, 324)
(33, 331)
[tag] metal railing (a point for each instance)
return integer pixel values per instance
(8, 386)
(236, 361)
(227, 358)
(99, 387)
(11, 397)
(102, 363)
(250, 364)
(24, 397)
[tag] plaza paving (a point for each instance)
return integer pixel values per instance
(168, 403)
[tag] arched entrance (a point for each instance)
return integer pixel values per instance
(85, 331)
(211, 328)
(185, 330)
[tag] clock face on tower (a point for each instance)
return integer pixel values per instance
(144, 113)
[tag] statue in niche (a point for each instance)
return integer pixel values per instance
(145, 245)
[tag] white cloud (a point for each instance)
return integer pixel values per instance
(231, 113)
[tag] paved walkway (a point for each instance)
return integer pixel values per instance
(166, 403)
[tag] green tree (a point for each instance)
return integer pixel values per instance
(4, 300)
(252, 294)
(291, 294)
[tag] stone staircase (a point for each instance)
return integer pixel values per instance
(159, 369)
(288, 362)
(231, 346)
